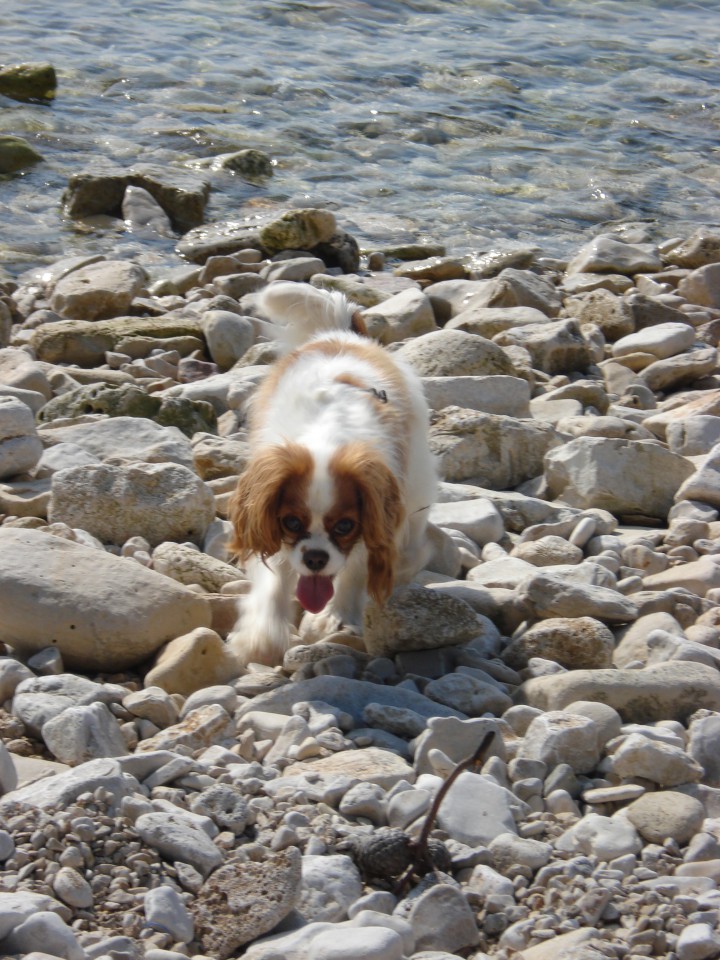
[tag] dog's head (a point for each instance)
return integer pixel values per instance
(317, 510)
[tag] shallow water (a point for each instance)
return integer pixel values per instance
(468, 122)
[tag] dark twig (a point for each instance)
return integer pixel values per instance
(422, 861)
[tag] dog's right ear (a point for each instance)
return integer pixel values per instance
(254, 506)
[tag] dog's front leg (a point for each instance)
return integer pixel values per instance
(263, 630)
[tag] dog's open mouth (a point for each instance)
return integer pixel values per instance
(314, 593)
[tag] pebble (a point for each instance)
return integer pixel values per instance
(569, 608)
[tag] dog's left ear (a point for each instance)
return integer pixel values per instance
(381, 512)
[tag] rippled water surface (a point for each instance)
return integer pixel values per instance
(466, 122)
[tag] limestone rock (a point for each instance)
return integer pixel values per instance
(661, 763)
(16, 154)
(418, 619)
(442, 919)
(606, 254)
(101, 187)
(668, 691)
(330, 885)
(576, 643)
(142, 213)
(98, 291)
(85, 342)
(508, 396)
(197, 730)
(701, 248)
(560, 737)
(369, 765)
(456, 354)
(704, 483)
(546, 594)
(129, 438)
(624, 477)
(469, 694)
(479, 519)
(487, 321)
(666, 813)
(159, 502)
(681, 370)
(351, 696)
(20, 448)
(298, 230)
(491, 451)
(188, 566)
(557, 347)
(177, 836)
(28, 81)
(228, 336)
(702, 286)
(191, 662)
(128, 400)
(100, 611)
(610, 313)
(662, 341)
(242, 901)
(406, 314)
(84, 733)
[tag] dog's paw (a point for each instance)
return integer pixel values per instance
(319, 626)
(257, 647)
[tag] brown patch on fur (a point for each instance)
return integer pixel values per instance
(357, 324)
(272, 486)
(381, 510)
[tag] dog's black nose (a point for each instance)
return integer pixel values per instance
(315, 560)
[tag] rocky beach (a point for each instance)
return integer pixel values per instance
(517, 759)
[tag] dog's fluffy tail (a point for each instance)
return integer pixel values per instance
(303, 312)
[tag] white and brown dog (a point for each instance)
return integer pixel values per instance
(333, 505)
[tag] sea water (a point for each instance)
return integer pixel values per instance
(473, 123)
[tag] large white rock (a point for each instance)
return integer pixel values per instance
(626, 477)
(228, 336)
(454, 353)
(662, 340)
(693, 437)
(157, 501)
(20, 448)
(406, 314)
(489, 450)
(702, 286)
(479, 519)
(133, 438)
(101, 612)
(99, 290)
(704, 484)
(560, 737)
(476, 809)
(84, 733)
(607, 254)
(508, 396)
(330, 885)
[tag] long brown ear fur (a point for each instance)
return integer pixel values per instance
(253, 508)
(381, 513)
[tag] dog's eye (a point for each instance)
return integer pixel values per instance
(292, 524)
(343, 527)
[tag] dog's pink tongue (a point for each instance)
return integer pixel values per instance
(314, 593)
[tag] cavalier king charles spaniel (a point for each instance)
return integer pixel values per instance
(333, 504)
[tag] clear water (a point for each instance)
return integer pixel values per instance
(471, 122)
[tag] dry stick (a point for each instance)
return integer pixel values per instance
(422, 854)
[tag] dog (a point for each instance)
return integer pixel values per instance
(333, 505)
